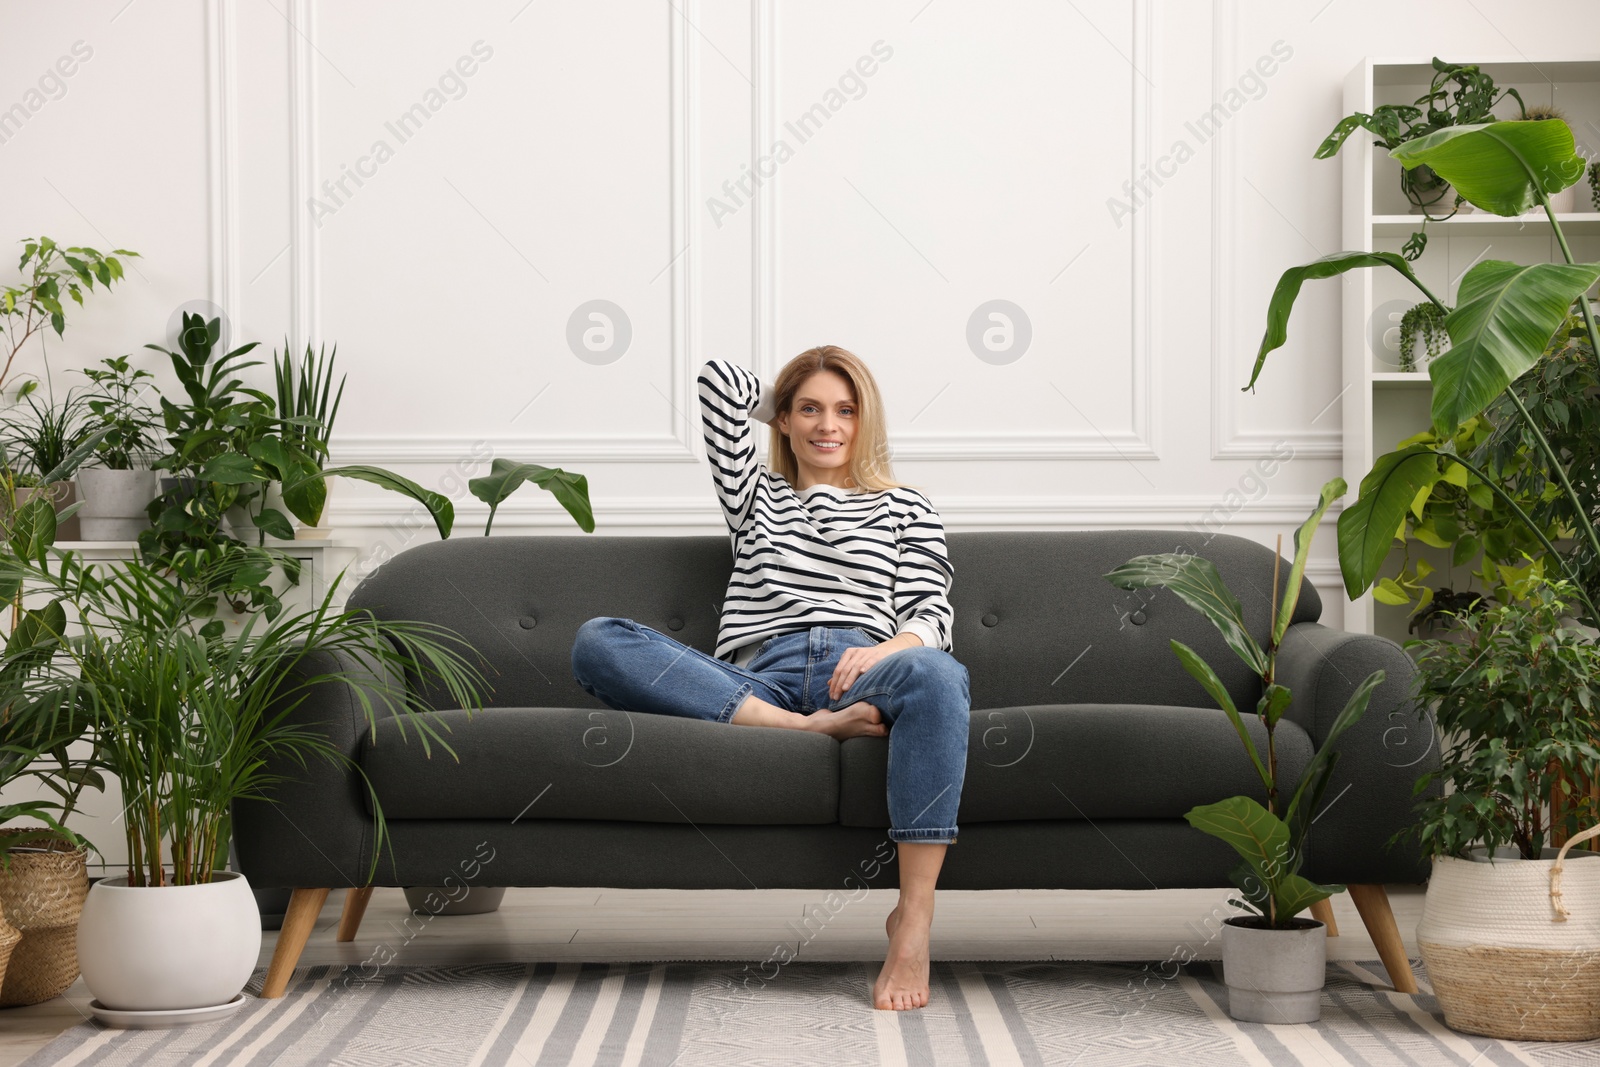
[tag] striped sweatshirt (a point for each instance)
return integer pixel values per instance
(822, 556)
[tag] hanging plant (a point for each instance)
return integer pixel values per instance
(1424, 320)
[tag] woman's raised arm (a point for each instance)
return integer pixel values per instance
(730, 398)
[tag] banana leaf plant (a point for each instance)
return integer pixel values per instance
(506, 477)
(1269, 841)
(1505, 317)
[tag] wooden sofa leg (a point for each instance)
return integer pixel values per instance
(304, 907)
(1372, 901)
(355, 906)
(1322, 911)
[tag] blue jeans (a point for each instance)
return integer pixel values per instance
(921, 692)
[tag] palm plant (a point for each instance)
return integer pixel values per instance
(187, 717)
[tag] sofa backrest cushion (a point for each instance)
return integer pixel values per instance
(1035, 621)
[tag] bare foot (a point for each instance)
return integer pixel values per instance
(903, 981)
(858, 720)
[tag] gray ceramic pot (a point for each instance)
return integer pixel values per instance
(114, 503)
(1274, 976)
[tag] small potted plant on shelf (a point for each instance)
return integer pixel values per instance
(1459, 95)
(1273, 961)
(185, 715)
(117, 483)
(1423, 322)
(39, 438)
(1515, 710)
(1562, 200)
(308, 404)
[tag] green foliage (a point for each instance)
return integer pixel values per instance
(1515, 708)
(39, 437)
(506, 476)
(1509, 315)
(51, 274)
(1458, 95)
(1424, 321)
(188, 718)
(118, 407)
(307, 400)
(1271, 847)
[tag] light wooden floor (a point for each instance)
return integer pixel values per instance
(649, 924)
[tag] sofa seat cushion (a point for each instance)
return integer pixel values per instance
(1088, 761)
(572, 763)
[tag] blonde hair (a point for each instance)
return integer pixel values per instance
(870, 468)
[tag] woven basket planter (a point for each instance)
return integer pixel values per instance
(42, 895)
(1513, 947)
(9, 936)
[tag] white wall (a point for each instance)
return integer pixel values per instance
(584, 158)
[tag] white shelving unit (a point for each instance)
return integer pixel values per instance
(1383, 404)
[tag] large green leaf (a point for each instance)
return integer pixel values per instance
(1257, 835)
(1288, 289)
(1308, 794)
(1198, 584)
(1505, 315)
(74, 459)
(438, 505)
(33, 527)
(505, 476)
(1201, 671)
(1499, 166)
(1294, 894)
(232, 468)
(1367, 528)
(1331, 491)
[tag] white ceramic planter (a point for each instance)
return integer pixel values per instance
(1502, 961)
(114, 503)
(1566, 200)
(241, 518)
(170, 947)
(1275, 976)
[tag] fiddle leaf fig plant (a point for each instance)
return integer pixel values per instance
(1505, 318)
(1269, 841)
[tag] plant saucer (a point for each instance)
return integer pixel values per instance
(159, 1019)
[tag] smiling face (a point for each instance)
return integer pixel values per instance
(821, 428)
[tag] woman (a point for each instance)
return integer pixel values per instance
(837, 616)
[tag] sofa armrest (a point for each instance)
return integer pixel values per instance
(314, 829)
(1369, 795)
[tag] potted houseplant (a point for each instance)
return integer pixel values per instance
(1506, 317)
(308, 404)
(117, 484)
(1423, 322)
(186, 715)
(1273, 961)
(1515, 712)
(38, 438)
(1459, 95)
(43, 864)
(51, 274)
(223, 448)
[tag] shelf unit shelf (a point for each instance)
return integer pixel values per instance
(1385, 404)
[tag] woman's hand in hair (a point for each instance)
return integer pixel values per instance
(855, 662)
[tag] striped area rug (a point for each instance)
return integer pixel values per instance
(737, 1014)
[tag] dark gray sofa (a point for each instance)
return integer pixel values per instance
(1088, 743)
